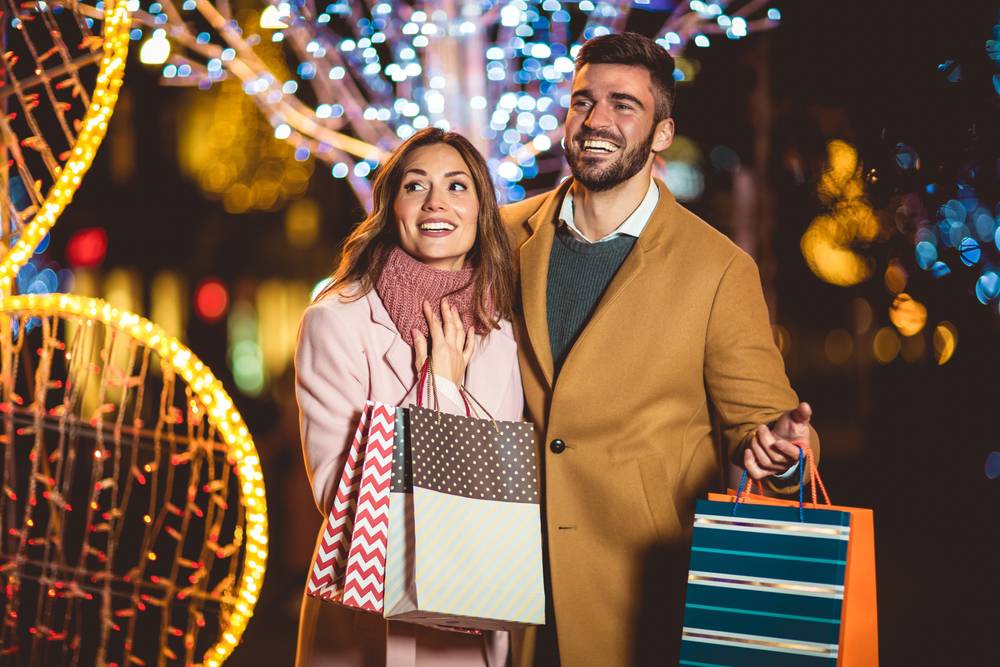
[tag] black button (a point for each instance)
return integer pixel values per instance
(557, 446)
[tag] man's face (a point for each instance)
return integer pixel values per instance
(610, 131)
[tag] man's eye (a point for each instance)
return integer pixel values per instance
(624, 107)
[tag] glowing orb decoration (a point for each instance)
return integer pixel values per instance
(54, 120)
(141, 524)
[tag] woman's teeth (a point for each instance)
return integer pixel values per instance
(437, 227)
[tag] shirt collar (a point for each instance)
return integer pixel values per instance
(632, 226)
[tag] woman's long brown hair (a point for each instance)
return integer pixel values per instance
(367, 248)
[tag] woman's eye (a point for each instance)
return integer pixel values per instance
(413, 187)
(459, 186)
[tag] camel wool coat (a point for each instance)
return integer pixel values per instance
(680, 340)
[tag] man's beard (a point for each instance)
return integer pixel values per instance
(600, 178)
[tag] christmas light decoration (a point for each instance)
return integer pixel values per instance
(75, 387)
(370, 74)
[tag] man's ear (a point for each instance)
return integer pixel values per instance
(663, 135)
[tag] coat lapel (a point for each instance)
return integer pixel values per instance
(534, 274)
(398, 356)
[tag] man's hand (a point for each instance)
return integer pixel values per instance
(772, 450)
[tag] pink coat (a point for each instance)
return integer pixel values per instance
(349, 352)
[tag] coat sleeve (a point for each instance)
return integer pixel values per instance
(744, 372)
(331, 386)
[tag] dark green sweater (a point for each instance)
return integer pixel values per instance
(579, 273)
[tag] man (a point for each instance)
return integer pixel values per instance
(641, 325)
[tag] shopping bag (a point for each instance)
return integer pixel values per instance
(775, 582)
(349, 566)
(474, 556)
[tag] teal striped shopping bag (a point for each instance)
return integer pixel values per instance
(767, 583)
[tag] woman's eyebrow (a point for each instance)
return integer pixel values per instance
(456, 173)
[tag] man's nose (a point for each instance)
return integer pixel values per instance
(598, 117)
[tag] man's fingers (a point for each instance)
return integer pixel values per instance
(750, 463)
(764, 458)
(801, 414)
(765, 436)
(787, 449)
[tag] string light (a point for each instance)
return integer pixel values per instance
(394, 69)
(221, 414)
(219, 408)
(92, 130)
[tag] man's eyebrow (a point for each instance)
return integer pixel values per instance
(631, 98)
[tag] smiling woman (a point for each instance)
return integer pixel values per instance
(437, 208)
(428, 272)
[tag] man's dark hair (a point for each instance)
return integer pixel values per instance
(631, 48)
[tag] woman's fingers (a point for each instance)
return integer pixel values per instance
(434, 322)
(470, 344)
(420, 346)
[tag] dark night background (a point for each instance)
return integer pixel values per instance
(905, 438)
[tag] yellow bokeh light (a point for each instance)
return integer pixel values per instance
(839, 346)
(945, 342)
(828, 243)
(907, 314)
(885, 345)
(895, 278)
(861, 315)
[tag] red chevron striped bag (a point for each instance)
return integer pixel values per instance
(349, 566)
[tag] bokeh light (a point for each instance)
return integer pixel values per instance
(885, 345)
(945, 342)
(211, 300)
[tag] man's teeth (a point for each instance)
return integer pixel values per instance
(437, 227)
(599, 146)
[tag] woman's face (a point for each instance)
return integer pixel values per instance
(436, 208)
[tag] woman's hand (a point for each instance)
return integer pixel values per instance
(451, 344)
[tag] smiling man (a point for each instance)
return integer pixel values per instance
(642, 326)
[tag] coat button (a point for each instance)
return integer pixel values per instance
(557, 446)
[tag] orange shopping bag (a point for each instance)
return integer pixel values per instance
(859, 620)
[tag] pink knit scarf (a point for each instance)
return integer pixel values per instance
(406, 283)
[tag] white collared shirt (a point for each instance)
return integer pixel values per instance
(633, 224)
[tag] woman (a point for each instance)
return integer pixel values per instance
(427, 271)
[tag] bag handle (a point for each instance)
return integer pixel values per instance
(805, 457)
(427, 379)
